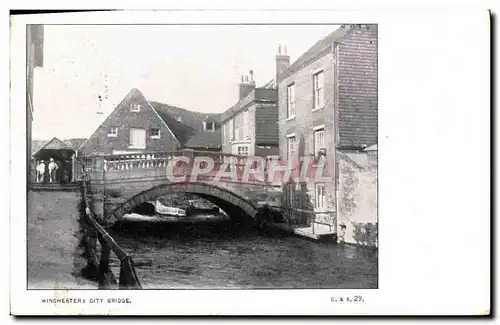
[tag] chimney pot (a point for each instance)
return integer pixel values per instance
(246, 86)
(282, 62)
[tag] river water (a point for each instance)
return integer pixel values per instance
(220, 254)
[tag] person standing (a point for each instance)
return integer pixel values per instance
(52, 170)
(37, 171)
(40, 171)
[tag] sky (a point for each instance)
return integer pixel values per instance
(193, 67)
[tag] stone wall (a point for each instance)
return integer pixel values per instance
(357, 198)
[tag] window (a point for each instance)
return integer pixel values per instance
(231, 129)
(243, 151)
(319, 97)
(291, 147)
(291, 101)
(224, 133)
(135, 108)
(320, 197)
(113, 132)
(209, 126)
(319, 140)
(155, 133)
(137, 138)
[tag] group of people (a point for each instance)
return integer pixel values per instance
(41, 170)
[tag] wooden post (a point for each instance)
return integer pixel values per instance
(128, 277)
(92, 268)
(106, 277)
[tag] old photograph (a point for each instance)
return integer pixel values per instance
(202, 156)
(226, 163)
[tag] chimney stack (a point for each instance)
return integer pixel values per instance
(282, 62)
(247, 85)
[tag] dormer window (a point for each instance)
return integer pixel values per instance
(135, 108)
(209, 126)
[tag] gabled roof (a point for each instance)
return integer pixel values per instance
(208, 119)
(318, 50)
(182, 123)
(73, 143)
(55, 144)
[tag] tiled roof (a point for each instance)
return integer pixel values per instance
(74, 143)
(55, 144)
(318, 50)
(36, 145)
(206, 139)
(187, 125)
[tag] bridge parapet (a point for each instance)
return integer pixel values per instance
(205, 165)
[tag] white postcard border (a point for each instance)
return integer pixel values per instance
(420, 272)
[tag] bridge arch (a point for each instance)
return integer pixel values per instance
(232, 203)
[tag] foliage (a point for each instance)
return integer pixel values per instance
(365, 233)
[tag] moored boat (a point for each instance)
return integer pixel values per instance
(162, 209)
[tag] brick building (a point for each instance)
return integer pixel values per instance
(138, 125)
(328, 102)
(250, 127)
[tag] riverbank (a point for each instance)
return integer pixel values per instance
(54, 255)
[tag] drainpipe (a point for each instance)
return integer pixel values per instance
(335, 51)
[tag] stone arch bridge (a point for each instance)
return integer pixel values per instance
(118, 183)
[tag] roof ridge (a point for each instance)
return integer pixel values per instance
(182, 108)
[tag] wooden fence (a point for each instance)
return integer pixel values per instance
(95, 233)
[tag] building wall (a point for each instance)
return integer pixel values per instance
(124, 119)
(306, 119)
(357, 199)
(358, 87)
(261, 122)
(231, 147)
